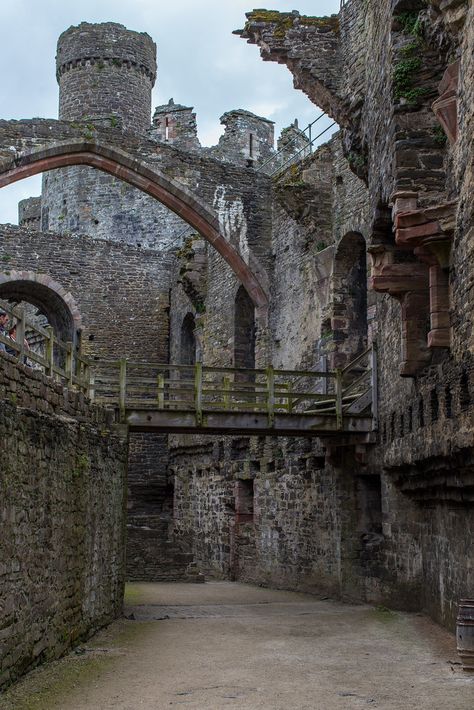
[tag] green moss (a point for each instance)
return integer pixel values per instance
(440, 136)
(6, 258)
(55, 684)
(411, 23)
(321, 22)
(356, 160)
(284, 21)
(133, 594)
(404, 79)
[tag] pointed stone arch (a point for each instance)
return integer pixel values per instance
(124, 166)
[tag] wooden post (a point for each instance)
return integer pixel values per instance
(339, 421)
(198, 392)
(91, 386)
(50, 352)
(374, 386)
(20, 333)
(324, 368)
(226, 382)
(122, 387)
(69, 363)
(161, 391)
(271, 396)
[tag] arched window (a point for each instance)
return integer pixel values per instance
(349, 299)
(188, 340)
(244, 330)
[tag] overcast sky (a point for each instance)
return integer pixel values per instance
(200, 62)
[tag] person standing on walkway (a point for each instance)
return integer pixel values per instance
(3, 328)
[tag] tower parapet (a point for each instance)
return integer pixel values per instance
(248, 139)
(105, 70)
(29, 213)
(175, 124)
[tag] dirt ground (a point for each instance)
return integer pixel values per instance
(225, 645)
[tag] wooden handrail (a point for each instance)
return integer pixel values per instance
(76, 369)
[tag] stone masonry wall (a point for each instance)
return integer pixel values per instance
(122, 294)
(62, 504)
(389, 523)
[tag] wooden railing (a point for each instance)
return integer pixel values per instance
(125, 385)
(54, 357)
(197, 388)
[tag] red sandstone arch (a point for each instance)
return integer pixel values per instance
(122, 165)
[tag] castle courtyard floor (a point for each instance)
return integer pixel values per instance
(225, 645)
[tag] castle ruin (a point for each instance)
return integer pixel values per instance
(145, 247)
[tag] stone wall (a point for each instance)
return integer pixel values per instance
(62, 503)
(389, 523)
(122, 296)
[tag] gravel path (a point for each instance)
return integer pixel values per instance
(225, 645)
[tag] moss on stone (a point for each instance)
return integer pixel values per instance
(48, 689)
(331, 22)
(286, 20)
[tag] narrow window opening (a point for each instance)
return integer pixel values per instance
(421, 413)
(251, 146)
(434, 402)
(410, 420)
(244, 500)
(392, 427)
(464, 394)
(167, 129)
(402, 425)
(448, 402)
(369, 504)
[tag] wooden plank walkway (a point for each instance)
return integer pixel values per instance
(164, 397)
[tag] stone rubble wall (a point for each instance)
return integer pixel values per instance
(122, 295)
(390, 523)
(62, 504)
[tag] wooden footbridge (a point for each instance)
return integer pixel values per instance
(161, 397)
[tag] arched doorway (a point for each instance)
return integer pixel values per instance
(349, 299)
(46, 299)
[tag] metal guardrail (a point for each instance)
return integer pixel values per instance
(303, 152)
(55, 358)
(300, 154)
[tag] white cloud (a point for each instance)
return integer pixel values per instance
(200, 62)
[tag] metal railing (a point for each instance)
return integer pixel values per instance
(128, 385)
(54, 357)
(280, 165)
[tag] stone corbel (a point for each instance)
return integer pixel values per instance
(445, 108)
(429, 233)
(408, 283)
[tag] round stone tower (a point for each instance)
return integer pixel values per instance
(104, 71)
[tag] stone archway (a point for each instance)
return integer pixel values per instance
(124, 166)
(51, 299)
